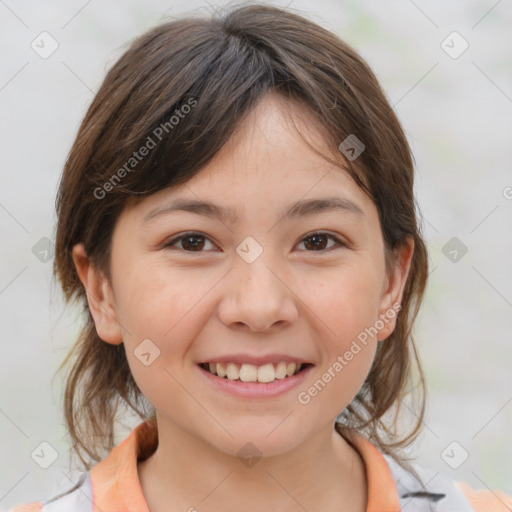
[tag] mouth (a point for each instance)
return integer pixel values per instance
(264, 374)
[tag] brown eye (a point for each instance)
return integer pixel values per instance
(195, 242)
(318, 241)
(189, 242)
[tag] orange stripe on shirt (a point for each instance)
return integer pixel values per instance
(485, 500)
(382, 492)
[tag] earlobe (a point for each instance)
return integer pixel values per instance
(391, 299)
(99, 297)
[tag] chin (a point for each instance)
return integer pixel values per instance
(256, 443)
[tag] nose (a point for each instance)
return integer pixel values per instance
(257, 298)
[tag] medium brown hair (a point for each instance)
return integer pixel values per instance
(226, 63)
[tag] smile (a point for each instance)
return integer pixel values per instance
(242, 380)
(251, 373)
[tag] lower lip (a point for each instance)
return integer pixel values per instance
(254, 389)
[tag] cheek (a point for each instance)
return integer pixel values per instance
(340, 377)
(158, 303)
(345, 307)
(159, 313)
(345, 301)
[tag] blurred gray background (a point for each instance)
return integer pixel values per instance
(453, 94)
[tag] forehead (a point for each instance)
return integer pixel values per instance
(267, 163)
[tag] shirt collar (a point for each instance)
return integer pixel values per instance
(116, 486)
(382, 491)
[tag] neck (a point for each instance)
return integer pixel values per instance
(324, 473)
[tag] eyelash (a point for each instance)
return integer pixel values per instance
(182, 236)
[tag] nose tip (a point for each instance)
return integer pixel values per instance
(256, 298)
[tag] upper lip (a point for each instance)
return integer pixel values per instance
(256, 360)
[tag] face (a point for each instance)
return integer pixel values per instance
(264, 280)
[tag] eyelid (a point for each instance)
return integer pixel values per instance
(185, 234)
(339, 240)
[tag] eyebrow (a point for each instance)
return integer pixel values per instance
(301, 208)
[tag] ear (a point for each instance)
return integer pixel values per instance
(99, 296)
(393, 289)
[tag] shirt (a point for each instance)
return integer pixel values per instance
(113, 484)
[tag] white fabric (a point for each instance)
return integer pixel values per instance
(80, 500)
(436, 485)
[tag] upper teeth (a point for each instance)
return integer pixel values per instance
(252, 373)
